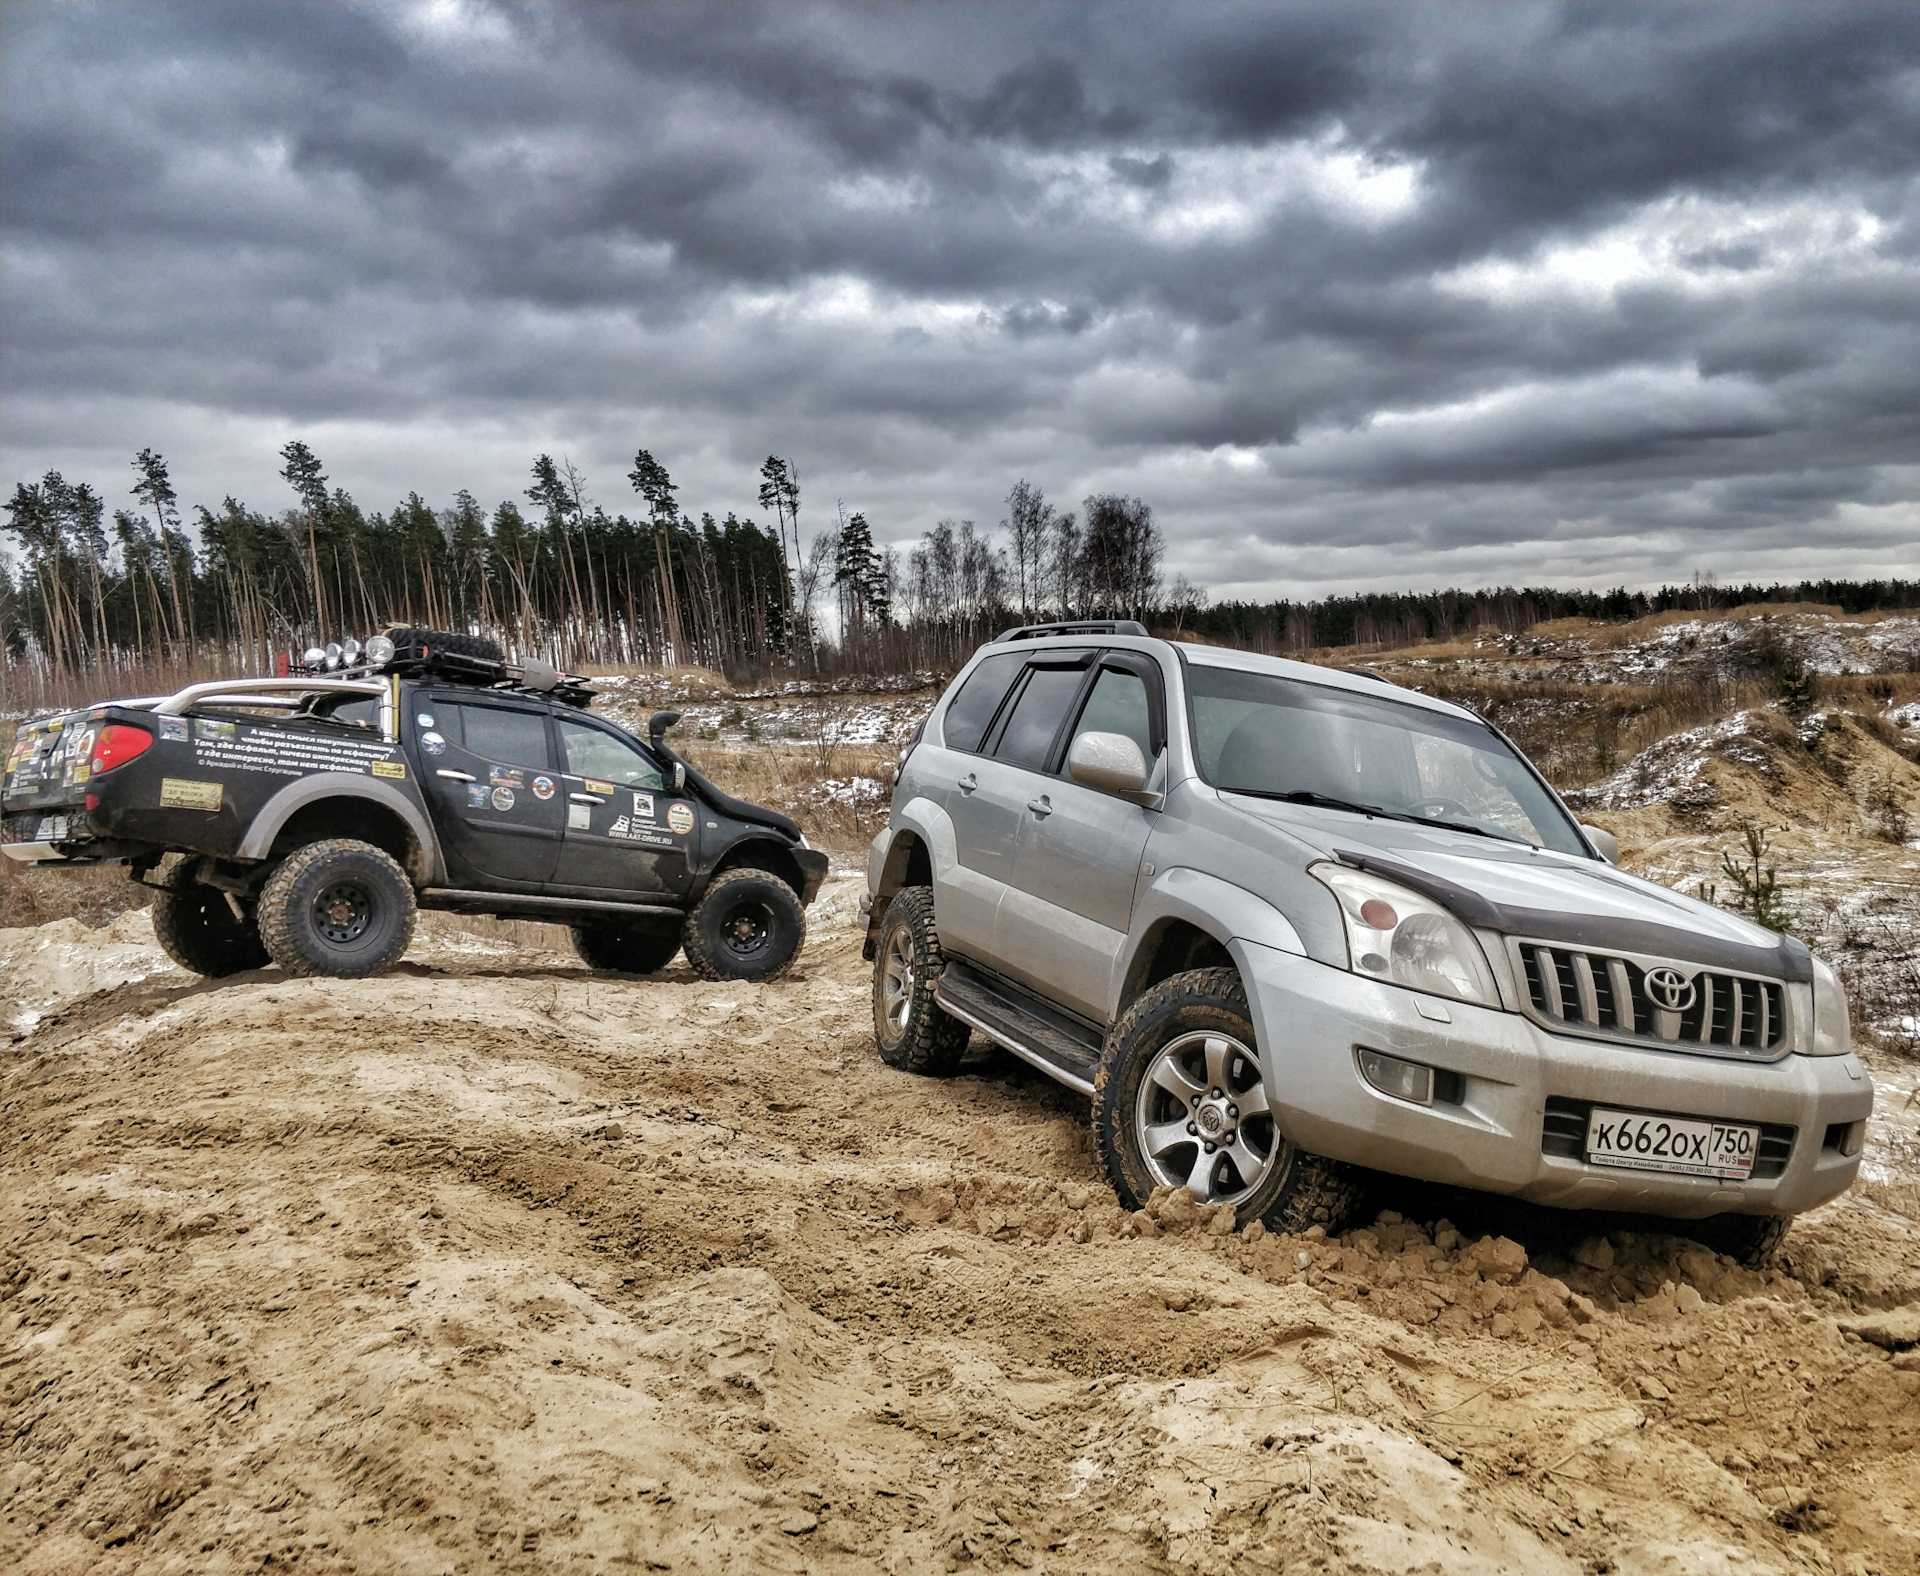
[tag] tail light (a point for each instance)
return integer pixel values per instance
(116, 744)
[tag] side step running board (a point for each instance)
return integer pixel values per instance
(1059, 1047)
(459, 900)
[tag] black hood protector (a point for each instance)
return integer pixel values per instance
(1788, 960)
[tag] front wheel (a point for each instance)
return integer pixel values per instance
(340, 908)
(1749, 1240)
(748, 926)
(1181, 1100)
(196, 927)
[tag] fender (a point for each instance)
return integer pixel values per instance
(280, 809)
(1229, 914)
(928, 822)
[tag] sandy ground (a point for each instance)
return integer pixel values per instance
(488, 1265)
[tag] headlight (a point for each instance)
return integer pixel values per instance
(1395, 934)
(1832, 1033)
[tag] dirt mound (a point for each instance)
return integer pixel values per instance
(1821, 769)
(502, 1266)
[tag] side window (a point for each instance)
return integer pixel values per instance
(1119, 704)
(590, 752)
(514, 738)
(1038, 711)
(972, 709)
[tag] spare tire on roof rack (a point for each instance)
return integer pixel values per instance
(409, 638)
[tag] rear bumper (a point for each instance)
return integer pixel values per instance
(1312, 1021)
(32, 853)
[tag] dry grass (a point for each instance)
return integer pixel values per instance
(787, 777)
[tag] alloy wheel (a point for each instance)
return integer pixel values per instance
(1202, 1118)
(896, 975)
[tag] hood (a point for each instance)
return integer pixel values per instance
(1517, 890)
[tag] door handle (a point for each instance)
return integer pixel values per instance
(969, 782)
(586, 798)
(1042, 807)
(459, 777)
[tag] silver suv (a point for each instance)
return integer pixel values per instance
(1285, 923)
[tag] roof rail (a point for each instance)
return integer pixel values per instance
(1085, 626)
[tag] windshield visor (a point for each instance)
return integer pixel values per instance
(1259, 733)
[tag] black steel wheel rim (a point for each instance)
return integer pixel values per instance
(747, 929)
(342, 911)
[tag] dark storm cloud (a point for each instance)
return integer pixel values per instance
(1354, 294)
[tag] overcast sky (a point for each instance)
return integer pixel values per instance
(1355, 296)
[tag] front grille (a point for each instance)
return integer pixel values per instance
(1563, 1134)
(1607, 994)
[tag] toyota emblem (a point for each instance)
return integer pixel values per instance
(1669, 989)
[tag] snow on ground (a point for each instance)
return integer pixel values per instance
(1824, 643)
(1672, 770)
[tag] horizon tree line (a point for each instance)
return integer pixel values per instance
(554, 574)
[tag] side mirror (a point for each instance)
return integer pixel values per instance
(1604, 842)
(1110, 762)
(679, 778)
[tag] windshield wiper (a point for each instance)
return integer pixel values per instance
(1325, 801)
(1461, 826)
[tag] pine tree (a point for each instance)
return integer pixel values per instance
(302, 473)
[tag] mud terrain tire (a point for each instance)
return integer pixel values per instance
(1297, 1191)
(195, 927)
(341, 909)
(447, 641)
(923, 1039)
(627, 949)
(1749, 1240)
(748, 926)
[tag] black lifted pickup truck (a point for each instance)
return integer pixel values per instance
(310, 814)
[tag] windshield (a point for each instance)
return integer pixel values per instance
(1258, 733)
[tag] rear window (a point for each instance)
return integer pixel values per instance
(514, 738)
(972, 709)
(1037, 716)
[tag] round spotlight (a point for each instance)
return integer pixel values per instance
(334, 654)
(351, 650)
(313, 657)
(379, 650)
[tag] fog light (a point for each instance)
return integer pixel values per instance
(1846, 1138)
(1401, 1079)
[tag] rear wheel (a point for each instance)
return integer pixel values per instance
(339, 908)
(196, 927)
(1181, 1099)
(748, 926)
(626, 949)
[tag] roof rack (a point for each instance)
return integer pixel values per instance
(527, 678)
(1085, 626)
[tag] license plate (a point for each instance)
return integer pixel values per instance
(1637, 1142)
(52, 829)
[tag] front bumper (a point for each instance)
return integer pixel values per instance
(1313, 1019)
(813, 871)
